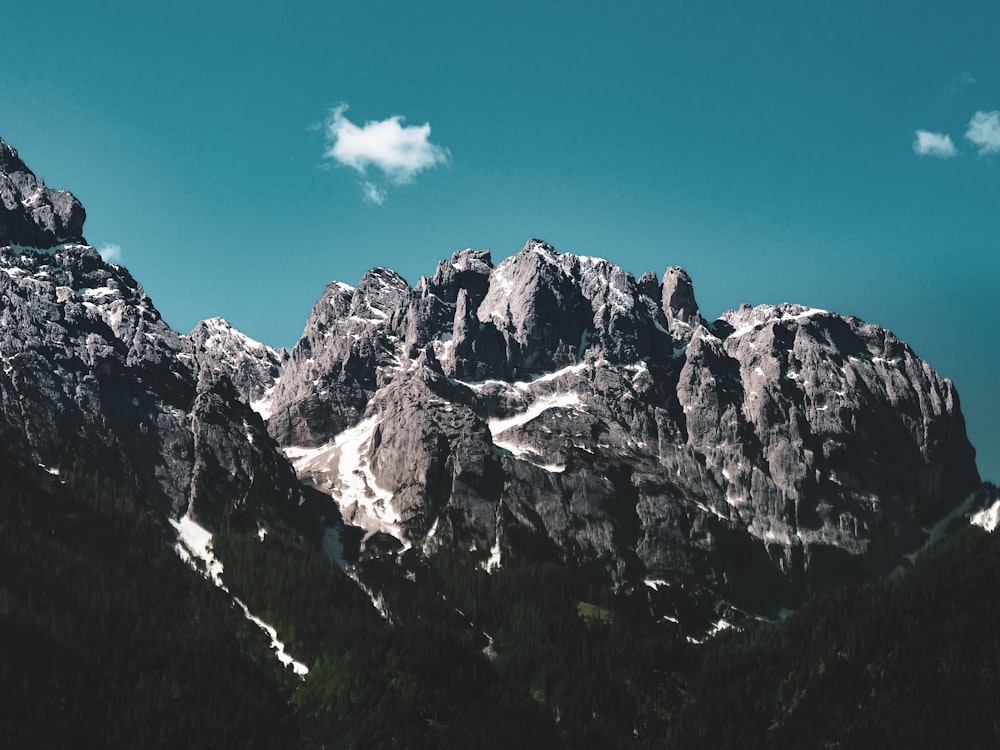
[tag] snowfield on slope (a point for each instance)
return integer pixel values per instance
(341, 469)
(194, 545)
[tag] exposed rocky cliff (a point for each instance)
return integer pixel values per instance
(93, 377)
(551, 405)
(554, 403)
(32, 214)
(252, 367)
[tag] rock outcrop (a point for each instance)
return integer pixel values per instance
(252, 367)
(93, 377)
(554, 404)
(550, 406)
(31, 214)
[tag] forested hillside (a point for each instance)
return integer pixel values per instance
(911, 662)
(108, 640)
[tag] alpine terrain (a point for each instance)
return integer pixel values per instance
(554, 405)
(502, 464)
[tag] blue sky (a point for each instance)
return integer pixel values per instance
(773, 149)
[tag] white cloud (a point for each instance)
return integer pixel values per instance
(984, 132)
(940, 145)
(372, 193)
(399, 152)
(111, 253)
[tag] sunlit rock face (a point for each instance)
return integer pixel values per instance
(93, 378)
(553, 405)
(31, 214)
(550, 406)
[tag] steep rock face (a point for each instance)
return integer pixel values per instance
(555, 404)
(92, 373)
(31, 214)
(449, 479)
(252, 367)
(350, 341)
(92, 376)
(549, 309)
(551, 405)
(678, 303)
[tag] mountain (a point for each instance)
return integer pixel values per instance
(93, 376)
(515, 465)
(554, 405)
(32, 214)
(252, 367)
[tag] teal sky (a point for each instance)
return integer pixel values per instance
(770, 148)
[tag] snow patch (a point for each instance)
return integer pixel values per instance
(493, 563)
(525, 452)
(735, 500)
(434, 528)
(988, 518)
(935, 532)
(99, 292)
(526, 385)
(194, 546)
(343, 287)
(277, 646)
(747, 321)
(342, 470)
(375, 597)
(558, 400)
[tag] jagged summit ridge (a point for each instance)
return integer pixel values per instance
(93, 376)
(31, 214)
(551, 406)
(537, 311)
(253, 367)
(555, 401)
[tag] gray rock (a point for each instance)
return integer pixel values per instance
(92, 376)
(352, 343)
(554, 404)
(550, 406)
(253, 367)
(678, 302)
(31, 214)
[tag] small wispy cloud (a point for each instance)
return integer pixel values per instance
(395, 152)
(984, 132)
(939, 145)
(110, 252)
(372, 193)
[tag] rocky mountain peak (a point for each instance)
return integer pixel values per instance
(599, 419)
(468, 270)
(678, 302)
(93, 377)
(10, 161)
(31, 214)
(253, 367)
(551, 405)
